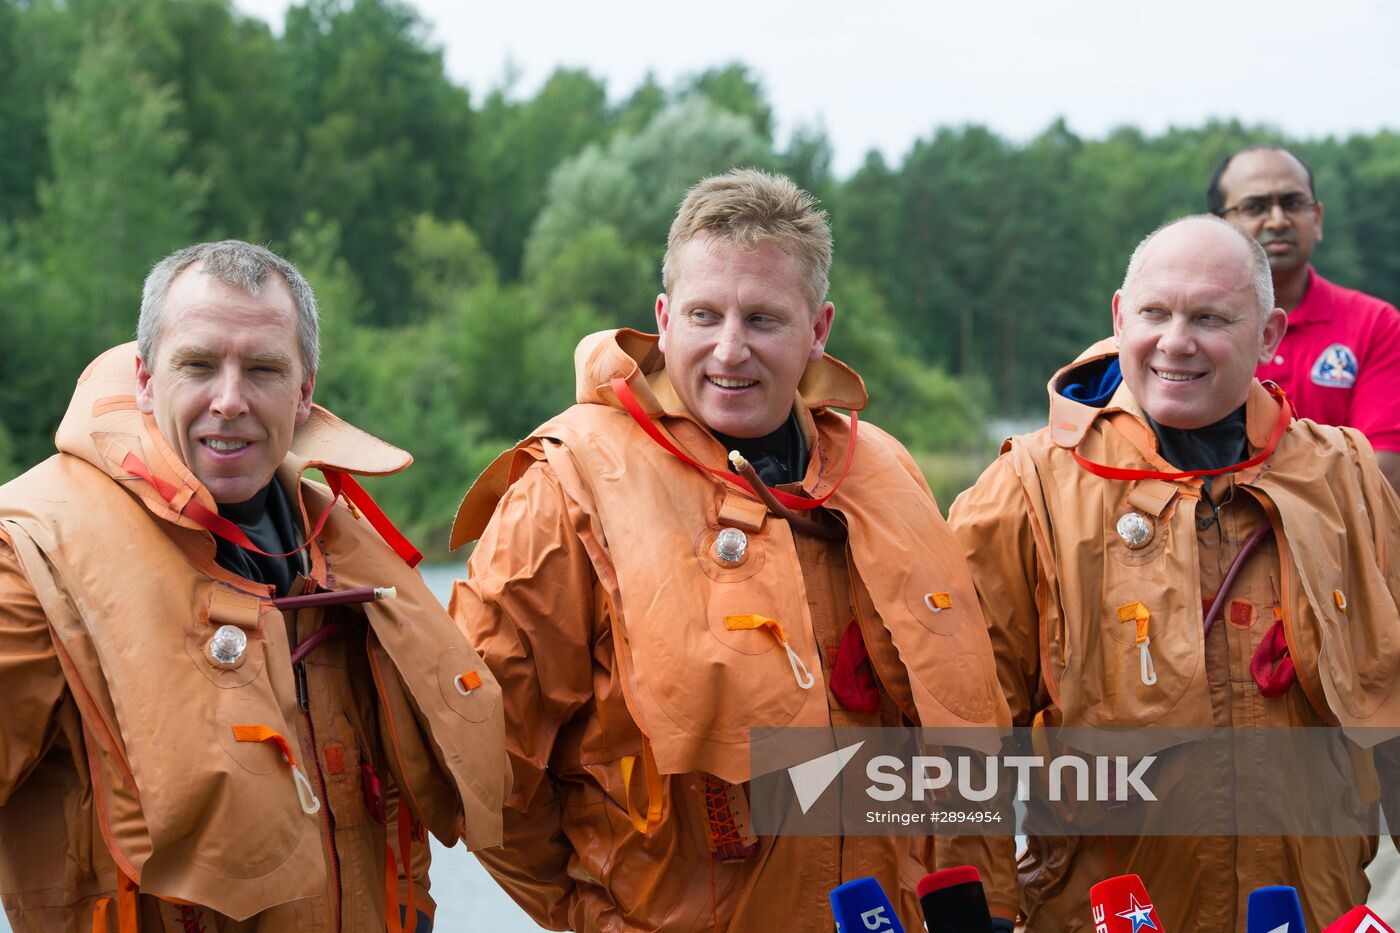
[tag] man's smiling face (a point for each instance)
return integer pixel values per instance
(738, 329)
(1189, 328)
(227, 387)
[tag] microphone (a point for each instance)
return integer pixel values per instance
(1275, 909)
(953, 901)
(1358, 920)
(1121, 905)
(861, 906)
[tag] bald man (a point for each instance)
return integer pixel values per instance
(1101, 546)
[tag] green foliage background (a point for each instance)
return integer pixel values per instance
(460, 247)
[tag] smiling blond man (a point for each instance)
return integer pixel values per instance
(1095, 540)
(644, 607)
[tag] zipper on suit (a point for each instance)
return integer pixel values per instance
(327, 817)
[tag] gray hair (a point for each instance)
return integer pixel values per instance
(236, 264)
(1261, 275)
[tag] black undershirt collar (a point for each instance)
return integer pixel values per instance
(1212, 447)
(267, 520)
(1209, 448)
(779, 457)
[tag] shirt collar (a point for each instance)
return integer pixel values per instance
(1313, 309)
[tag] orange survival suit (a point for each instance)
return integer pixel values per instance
(596, 598)
(145, 784)
(1052, 571)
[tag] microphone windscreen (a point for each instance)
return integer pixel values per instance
(1121, 905)
(1275, 909)
(953, 901)
(861, 906)
(1359, 920)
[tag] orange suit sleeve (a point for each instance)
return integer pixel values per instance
(31, 679)
(527, 607)
(992, 523)
(1383, 506)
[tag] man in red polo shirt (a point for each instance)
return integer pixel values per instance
(1340, 359)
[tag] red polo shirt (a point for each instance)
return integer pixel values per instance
(1340, 361)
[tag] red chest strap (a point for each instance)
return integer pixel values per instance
(629, 401)
(1285, 415)
(340, 484)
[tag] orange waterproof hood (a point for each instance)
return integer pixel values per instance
(636, 358)
(103, 425)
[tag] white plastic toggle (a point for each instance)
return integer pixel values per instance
(1149, 673)
(1135, 529)
(928, 601)
(731, 545)
(228, 644)
(309, 804)
(799, 670)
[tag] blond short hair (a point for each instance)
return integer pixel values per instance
(746, 207)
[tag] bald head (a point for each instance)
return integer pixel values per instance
(1193, 319)
(1210, 233)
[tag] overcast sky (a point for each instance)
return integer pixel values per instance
(882, 73)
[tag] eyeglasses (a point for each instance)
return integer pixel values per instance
(1294, 205)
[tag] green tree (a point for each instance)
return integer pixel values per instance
(607, 277)
(443, 259)
(635, 182)
(733, 89)
(387, 134)
(518, 145)
(647, 100)
(116, 202)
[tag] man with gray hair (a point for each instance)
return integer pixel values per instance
(230, 702)
(703, 546)
(1174, 551)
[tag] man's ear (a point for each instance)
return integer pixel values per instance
(304, 401)
(1117, 316)
(1275, 326)
(821, 330)
(144, 401)
(663, 317)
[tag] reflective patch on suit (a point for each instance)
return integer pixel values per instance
(1336, 368)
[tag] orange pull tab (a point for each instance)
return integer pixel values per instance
(937, 602)
(1138, 613)
(804, 677)
(467, 682)
(310, 805)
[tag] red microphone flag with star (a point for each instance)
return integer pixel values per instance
(1122, 905)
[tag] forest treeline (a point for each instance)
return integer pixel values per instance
(460, 244)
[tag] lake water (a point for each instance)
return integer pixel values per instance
(468, 898)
